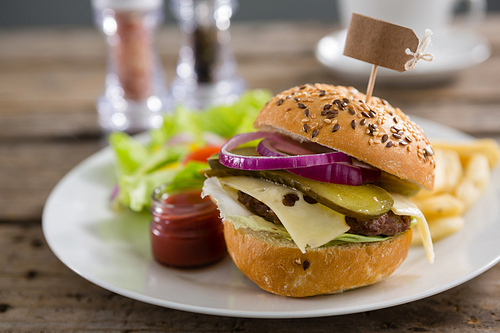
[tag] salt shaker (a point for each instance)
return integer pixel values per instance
(206, 69)
(135, 94)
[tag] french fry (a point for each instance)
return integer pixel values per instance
(453, 169)
(448, 173)
(462, 174)
(441, 205)
(487, 147)
(475, 180)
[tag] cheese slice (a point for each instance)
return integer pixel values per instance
(404, 206)
(308, 224)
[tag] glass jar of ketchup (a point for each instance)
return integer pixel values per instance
(186, 230)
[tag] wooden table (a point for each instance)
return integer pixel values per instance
(49, 81)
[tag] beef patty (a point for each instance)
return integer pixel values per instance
(258, 208)
(389, 224)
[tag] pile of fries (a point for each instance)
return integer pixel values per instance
(463, 172)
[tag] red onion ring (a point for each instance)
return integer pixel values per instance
(339, 172)
(278, 148)
(370, 174)
(332, 167)
(234, 161)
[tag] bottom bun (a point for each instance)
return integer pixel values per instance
(277, 265)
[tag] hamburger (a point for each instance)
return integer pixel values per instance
(321, 203)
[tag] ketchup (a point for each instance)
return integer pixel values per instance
(186, 230)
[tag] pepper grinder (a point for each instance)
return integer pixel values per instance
(135, 94)
(206, 69)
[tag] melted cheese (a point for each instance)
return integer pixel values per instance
(404, 206)
(308, 224)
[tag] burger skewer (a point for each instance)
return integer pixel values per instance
(306, 223)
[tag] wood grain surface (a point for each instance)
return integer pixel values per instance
(49, 81)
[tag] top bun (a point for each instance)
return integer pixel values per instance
(338, 117)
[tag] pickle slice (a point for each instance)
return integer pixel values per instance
(367, 201)
(395, 184)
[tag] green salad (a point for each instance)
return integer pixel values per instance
(177, 150)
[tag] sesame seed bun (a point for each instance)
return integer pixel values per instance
(373, 132)
(277, 265)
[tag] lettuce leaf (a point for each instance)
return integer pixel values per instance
(182, 120)
(128, 151)
(257, 223)
(135, 190)
(227, 121)
(188, 177)
(351, 238)
(141, 167)
(222, 120)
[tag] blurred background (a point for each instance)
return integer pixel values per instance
(78, 12)
(53, 59)
(53, 70)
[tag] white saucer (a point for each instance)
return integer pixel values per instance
(453, 51)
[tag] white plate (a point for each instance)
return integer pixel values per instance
(112, 251)
(453, 51)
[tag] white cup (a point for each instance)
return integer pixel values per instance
(437, 15)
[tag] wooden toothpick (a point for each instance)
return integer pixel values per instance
(371, 83)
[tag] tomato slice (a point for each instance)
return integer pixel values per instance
(202, 154)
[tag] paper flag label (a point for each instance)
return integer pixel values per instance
(379, 43)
